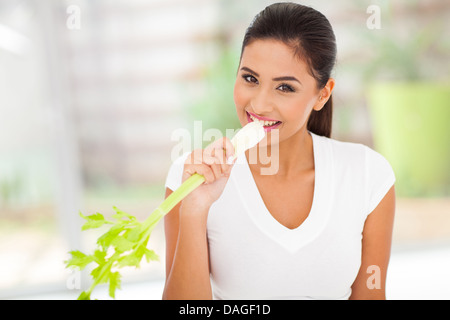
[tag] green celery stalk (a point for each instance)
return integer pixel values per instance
(179, 194)
(125, 243)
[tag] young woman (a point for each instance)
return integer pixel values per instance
(320, 228)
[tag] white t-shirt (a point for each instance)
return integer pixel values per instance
(253, 256)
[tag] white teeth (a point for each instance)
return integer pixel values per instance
(265, 123)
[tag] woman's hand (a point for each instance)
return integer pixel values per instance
(210, 162)
(187, 257)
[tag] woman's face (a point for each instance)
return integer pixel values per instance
(274, 85)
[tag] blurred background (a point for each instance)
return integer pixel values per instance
(91, 92)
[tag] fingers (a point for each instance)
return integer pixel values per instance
(229, 149)
(202, 170)
(221, 150)
(219, 170)
(212, 161)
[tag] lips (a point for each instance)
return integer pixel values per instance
(261, 118)
(269, 124)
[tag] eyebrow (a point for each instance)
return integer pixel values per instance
(286, 78)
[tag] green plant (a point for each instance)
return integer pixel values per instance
(125, 243)
(407, 90)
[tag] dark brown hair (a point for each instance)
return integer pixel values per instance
(310, 35)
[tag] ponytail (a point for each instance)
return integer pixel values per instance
(320, 122)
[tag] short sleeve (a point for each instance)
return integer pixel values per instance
(175, 174)
(380, 178)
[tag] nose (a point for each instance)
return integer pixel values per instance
(261, 102)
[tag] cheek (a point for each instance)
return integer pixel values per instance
(297, 111)
(305, 105)
(240, 101)
(239, 96)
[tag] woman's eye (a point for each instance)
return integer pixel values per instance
(286, 88)
(249, 78)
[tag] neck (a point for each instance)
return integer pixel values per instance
(286, 158)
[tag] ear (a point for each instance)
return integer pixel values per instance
(324, 94)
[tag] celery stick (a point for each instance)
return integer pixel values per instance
(125, 243)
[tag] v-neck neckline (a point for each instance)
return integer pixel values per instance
(291, 239)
